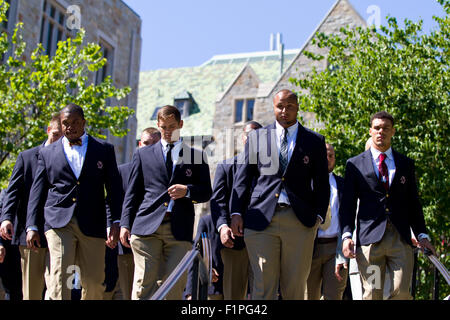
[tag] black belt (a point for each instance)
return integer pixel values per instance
(281, 205)
(326, 240)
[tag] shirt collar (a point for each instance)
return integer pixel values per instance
(165, 144)
(291, 130)
(83, 138)
(376, 153)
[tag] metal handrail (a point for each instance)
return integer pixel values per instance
(202, 271)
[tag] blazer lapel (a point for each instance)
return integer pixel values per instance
(185, 150)
(61, 157)
(370, 174)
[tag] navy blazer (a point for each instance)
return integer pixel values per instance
(206, 225)
(147, 198)
(17, 195)
(124, 171)
(220, 200)
(61, 195)
(401, 202)
(305, 180)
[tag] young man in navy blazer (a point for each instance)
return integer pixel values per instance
(69, 188)
(290, 198)
(384, 181)
(166, 180)
(237, 272)
(13, 219)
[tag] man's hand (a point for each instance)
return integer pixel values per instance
(237, 225)
(6, 230)
(2, 253)
(348, 248)
(177, 191)
(425, 244)
(125, 236)
(215, 275)
(33, 240)
(113, 235)
(226, 236)
(338, 269)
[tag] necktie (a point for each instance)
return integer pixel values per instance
(169, 163)
(284, 150)
(76, 142)
(384, 174)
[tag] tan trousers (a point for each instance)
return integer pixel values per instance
(69, 250)
(125, 263)
(280, 257)
(393, 253)
(154, 255)
(235, 273)
(35, 272)
(322, 281)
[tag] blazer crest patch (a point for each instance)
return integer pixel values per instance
(188, 173)
(100, 165)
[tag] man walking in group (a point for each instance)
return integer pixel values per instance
(166, 180)
(69, 188)
(288, 202)
(384, 181)
(34, 263)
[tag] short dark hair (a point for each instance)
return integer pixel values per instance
(254, 124)
(382, 115)
(169, 111)
(289, 94)
(73, 108)
(151, 131)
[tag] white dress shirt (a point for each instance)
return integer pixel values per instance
(333, 229)
(75, 155)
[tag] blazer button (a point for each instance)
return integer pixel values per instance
(283, 179)
(166, 204)
(387, 195)
(387, 209)
(277, 195)
(78, 182)
(194, 202)
(74, 199)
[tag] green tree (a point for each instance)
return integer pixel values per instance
(406, 72)
(33, 88)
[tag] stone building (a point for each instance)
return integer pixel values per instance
(218, 97)
(109, 23)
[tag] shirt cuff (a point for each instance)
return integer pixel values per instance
(221, 226)
(32, 228)
(321, 219)
(236, 213)
(423, 236)
(188, 193)
(346, 235)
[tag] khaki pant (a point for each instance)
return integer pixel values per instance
(391, 253)
(322, 281)
(125, 263)
(70, 250)
(155, 255)
(280, 257)
(235, 273)
(35, 272)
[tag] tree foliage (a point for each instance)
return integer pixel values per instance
(406, 72)
(33, 88)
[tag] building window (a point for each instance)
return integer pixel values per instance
(244, 110)
(53, 27)
(186, 104)
(107, 70)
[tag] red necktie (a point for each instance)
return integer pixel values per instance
(384, 173)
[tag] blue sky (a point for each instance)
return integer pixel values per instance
(183, 33)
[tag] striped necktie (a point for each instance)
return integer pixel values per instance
(284, 150)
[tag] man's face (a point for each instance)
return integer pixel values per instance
(285, 108)
(331, 156)
(170, 129)
(147, 139)
(247, 129)
(54, 132)
(382, 132)
(72, 125)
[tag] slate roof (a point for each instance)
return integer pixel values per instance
(205, 83)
